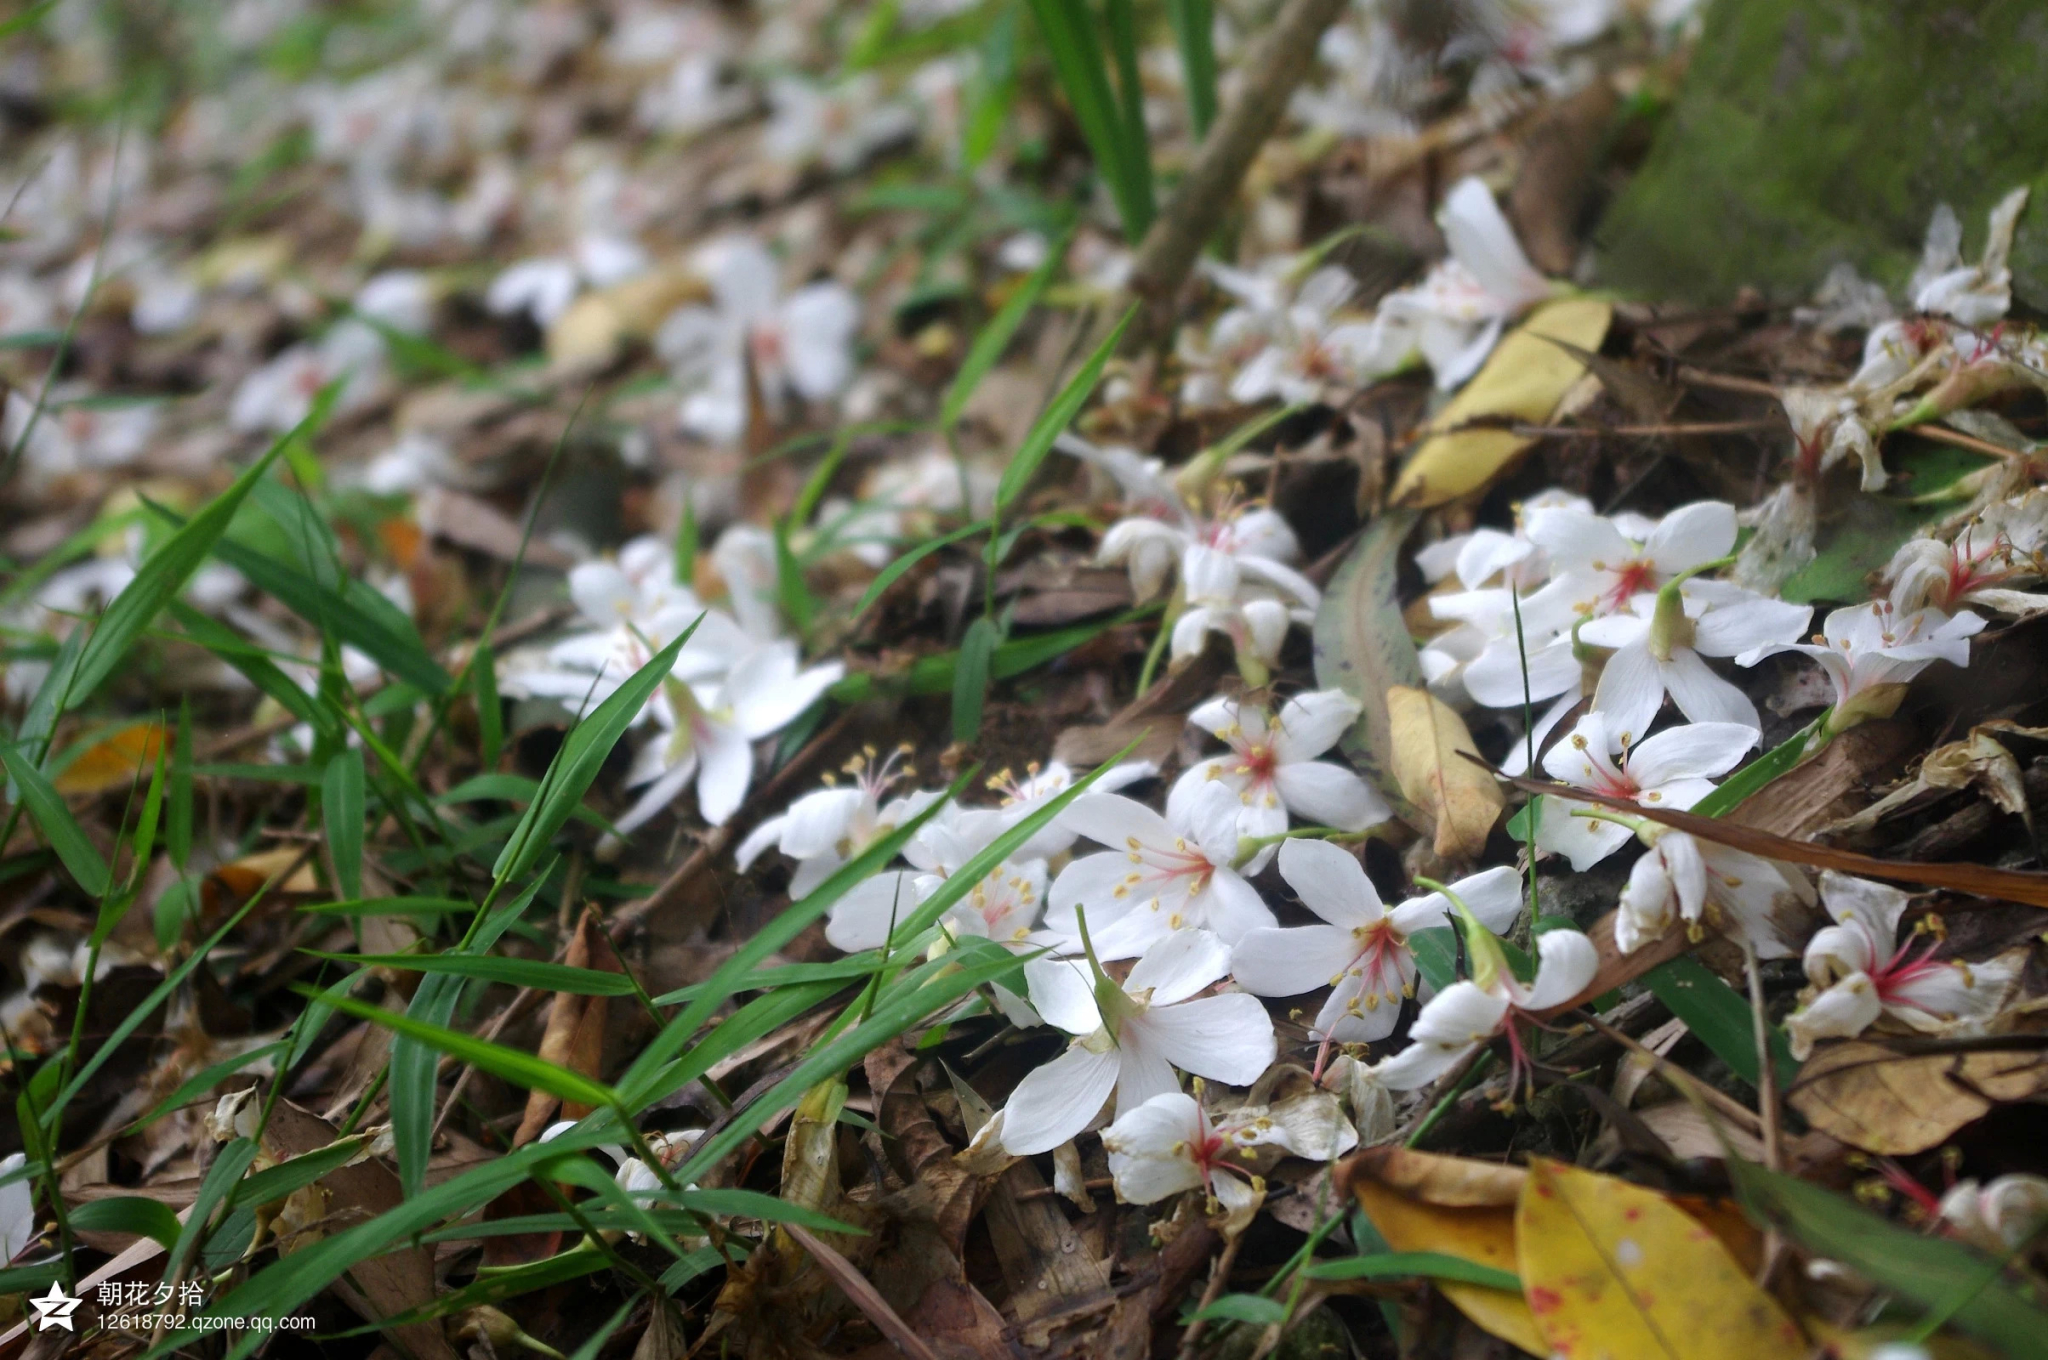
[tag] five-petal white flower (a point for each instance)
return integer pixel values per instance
(1163, 875)
(1684, 878)
(1470, 1012)
(1673, 769)
(1362, 955)
(1131, 1038)
(1862, 971)
(1870, 652)
(1272, 765)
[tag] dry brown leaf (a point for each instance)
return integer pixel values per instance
(1524, 380)
(1430, 744)
(115, 761)
(1869, 1097)
(245, 875)
(574, 1037)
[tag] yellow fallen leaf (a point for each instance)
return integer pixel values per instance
(112, 762)
(1456, 1206)
(600, 323)
(1461, 799)
(250, 872)
(1613, 1271)
(1524, 380)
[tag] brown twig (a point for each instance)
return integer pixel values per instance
(1283, 55)
(1642, 431)
(1766, 1104)
(1219, 1276)
(1941, 434)
(1699, 377)
(1727, 1107)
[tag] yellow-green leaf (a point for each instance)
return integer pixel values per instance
(1613, 1271)
(1524, 380)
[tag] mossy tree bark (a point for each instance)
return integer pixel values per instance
(1810, 132)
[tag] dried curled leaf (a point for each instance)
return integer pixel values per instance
(1524, 380)
(1872, 1098)
(1431, 746)
(1613, 1269)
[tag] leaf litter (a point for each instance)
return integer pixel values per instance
(757, 677)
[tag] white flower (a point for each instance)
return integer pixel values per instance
(1160, 878)
(1151, 1026)
(800, 345)
(1978, 294)
(1252, 615)
(1660, 646)
(710, 731)
(1863, 971)
(744, 558)
(823, 830)
(1603, 566)
(2001, 546)
(17, 1209)
(1362, 954)
(1039, 786)
(1308, 347)
(1272, 765)
(839, 126)
(1454, 316)
(1684, 878)
(76, 434)
(1999, 1217)
(1468, 1013)
(1871, 651)
(1171, 1144)
(1674, 769)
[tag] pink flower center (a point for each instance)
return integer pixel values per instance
(1631, 578)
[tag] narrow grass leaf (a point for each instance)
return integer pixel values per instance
(971, 677)
(1720, 1016)
(1071, 38)
(128, 1214)
(507, 1064)
(892, 573)
(1038, 442)
(164, 573)
(1194, 24)
(534, 973)
(40, 797)
(490, 715)
(576, 765)
(1429, 1265)
(342, 810)
(995, 337)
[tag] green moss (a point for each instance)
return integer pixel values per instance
(1810, 132)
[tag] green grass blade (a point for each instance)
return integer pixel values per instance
(507, 1064)
(971, 677)
(1122, 30)
(1023, 464)
(391, 906)
(995, 337)
(546, 977)
(1720, 1016)
(164, 573)
(222, 1177)
(490, 715)
(1429, 1265)
(274, 1183)
(577, 763)
(892, 573)
(342, 809)
(356, 614)
(128, 1214)
(255, 665)
(1070, 37)
(40, 797)
(1194, 24)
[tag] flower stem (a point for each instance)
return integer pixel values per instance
(1450, 1097)
(1248, 847)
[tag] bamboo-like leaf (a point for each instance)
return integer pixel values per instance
(40, 797)
(1931, 1272)
(276, 1182)
(128, 1214)
(577, 763)
(229, 1164)
(1038, 442)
